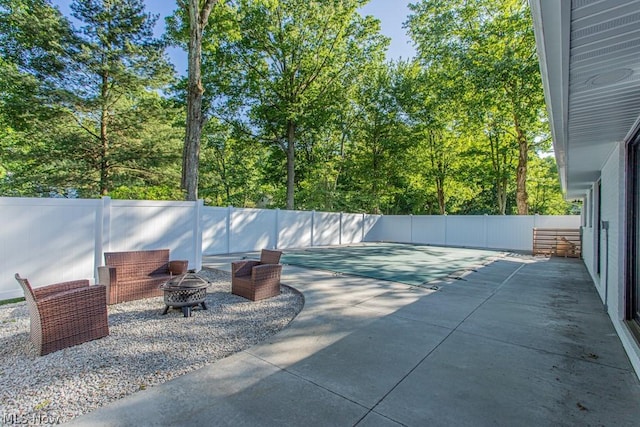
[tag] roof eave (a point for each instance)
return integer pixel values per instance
(552, 24)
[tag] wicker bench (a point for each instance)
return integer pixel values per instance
(136, 275)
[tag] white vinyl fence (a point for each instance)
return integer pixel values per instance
(233, 230)
(506, 232)
(55, 240)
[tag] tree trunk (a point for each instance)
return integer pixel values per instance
(502, 195)
(438, 166)
(104, 139)
(441, 198)
(521, 177)
(195, 120)
(291, 159)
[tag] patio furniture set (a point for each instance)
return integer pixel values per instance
(71, 313)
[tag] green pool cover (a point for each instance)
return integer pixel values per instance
(410, 264)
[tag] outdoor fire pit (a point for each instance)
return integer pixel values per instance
(185, 291)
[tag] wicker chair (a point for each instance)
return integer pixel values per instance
(256, 280)
(65, 314)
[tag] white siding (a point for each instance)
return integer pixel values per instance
(613, 260)
(610, 211)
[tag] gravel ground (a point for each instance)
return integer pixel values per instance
(143, 349)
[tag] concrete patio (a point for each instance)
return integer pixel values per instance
(519, 342)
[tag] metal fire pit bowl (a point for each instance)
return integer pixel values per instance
(185, 291)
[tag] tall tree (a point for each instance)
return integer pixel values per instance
(35, 41)
(491, 44)
(198, 12)
(289, 59)
(430, 103)
(111, 90)
(381, 137)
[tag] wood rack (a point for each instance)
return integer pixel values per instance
(563, 242)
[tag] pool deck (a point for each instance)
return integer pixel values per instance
(518, 342)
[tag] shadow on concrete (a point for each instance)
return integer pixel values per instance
(520, 341)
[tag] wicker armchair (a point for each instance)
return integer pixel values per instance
(256, 280)
(65, 314)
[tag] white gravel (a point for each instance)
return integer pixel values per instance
(143, 349)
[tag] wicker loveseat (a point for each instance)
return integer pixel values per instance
(65, 314)
(256, 280)
(136, 275)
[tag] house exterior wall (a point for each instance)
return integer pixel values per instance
(588, 236)
(611, 248)
(610, 283)
(610, 212)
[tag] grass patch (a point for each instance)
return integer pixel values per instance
(11, 301)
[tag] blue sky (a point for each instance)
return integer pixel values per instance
(391, 13)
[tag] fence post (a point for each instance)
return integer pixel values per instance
(445, 229)
(197, 233)
(103, 226)
(229, 214)
(486, 231)
(410, 228)
(313, 221)
(364, 218)
(277, 228)
(340, 235)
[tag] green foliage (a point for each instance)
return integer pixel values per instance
(297, 97)
(146, 193)
(230, 172)
(83, 104)
(277, 69)
(11, 301)
(479, 57)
